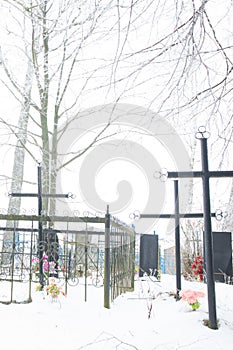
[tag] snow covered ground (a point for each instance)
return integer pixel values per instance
(73, 324)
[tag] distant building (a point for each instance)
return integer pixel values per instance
(170, 261)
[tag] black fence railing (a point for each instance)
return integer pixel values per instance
(73, 250)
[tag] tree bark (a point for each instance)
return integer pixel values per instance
(19, 156)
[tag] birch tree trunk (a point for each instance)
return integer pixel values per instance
(19, 156)
(228, 220)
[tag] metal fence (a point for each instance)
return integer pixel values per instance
(73, 249)
(122, 258)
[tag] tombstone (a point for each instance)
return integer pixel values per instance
(222, 256)
(51, 248)
(222, 247)
(148, 261)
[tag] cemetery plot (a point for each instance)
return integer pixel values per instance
(72, 252)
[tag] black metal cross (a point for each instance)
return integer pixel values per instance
(177, 216)
(40, 195)
(205, 174)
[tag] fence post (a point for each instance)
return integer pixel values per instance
(40, 243)
(107, 268)
(177, 240)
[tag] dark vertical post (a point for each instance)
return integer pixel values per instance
(13, 262)
(177, 239)
(86, 262)
(30, 276)
(208, 237)
(132, 257)
(107, 269)
(40, 238)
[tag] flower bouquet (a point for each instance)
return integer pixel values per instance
(191, 296)
(53, 289)
(197, 267)
(48, 266)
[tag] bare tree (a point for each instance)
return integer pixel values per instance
(56, 34)
(173, 57)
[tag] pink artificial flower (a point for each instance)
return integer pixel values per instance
(200, 294)
(191, 295)
(35, 259)
(46, 265)
(52, 266)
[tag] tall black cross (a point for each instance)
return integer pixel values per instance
(40, 195)
(205, 174)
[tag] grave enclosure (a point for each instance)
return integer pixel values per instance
(78, 250)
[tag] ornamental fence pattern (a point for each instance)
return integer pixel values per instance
(73, 250)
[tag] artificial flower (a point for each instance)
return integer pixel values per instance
(191, 296)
